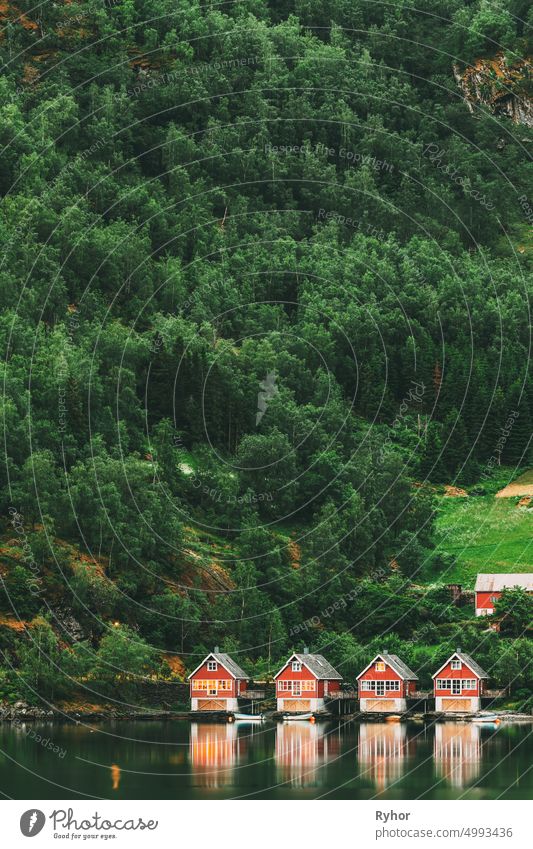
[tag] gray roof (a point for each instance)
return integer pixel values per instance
(475, 667)
(230, 665)
(469, 661)
(399, 666)
(226, 661)
(318, 665)
(495, 583)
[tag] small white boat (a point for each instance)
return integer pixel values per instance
(489, 717)
(297, 717)
(249, 717)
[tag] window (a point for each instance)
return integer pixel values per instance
(469, 683)
(308, 685)
(392, 685)
(494, 598)
(224, 685)
(212, 666)
(366, 685)
(456, 664)
(456, 686)
(199, 685)
(380, 666)
(380, 688)
(284, 686)
(296, 666)
(444, 684)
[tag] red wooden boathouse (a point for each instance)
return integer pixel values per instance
(385, 684)
(217, 683)
(459, 684)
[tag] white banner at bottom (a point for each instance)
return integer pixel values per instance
(262, 824)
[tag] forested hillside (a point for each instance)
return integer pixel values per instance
(265, 286)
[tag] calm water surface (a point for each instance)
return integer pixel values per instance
(182, 760)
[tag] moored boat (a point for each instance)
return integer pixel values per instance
(295, 717)
(249, 717)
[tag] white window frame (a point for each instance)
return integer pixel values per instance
(296, 666)
(212, 666)
(444, 683)
(456, 664)
(380, 666)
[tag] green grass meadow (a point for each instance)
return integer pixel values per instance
(484, 534)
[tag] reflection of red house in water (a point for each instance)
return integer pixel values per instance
(459, 684)
(214, 752)
(489, 588)
(302, 749)
(385, 684)
(217, 683)
(382, 750)
(457, 752)
(303, 681)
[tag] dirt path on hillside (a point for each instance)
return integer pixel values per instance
(521, 486)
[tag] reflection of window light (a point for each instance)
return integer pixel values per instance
(380, 666)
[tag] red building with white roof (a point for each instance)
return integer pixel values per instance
(459, 684)
(217, 683)
(385, 684)
(489, 588)
(303, 681)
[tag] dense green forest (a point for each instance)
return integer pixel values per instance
(265, 286)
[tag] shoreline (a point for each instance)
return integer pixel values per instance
(12, 715)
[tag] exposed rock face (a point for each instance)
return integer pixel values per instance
(504, 89)
(69, 625)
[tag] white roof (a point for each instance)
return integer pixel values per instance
(488, 583)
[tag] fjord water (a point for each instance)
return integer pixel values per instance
(353, 760)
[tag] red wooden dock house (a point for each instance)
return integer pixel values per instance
(385, 684)
(217, 683)
(303, 682)
(459, 684)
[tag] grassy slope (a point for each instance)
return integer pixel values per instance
(484, 534)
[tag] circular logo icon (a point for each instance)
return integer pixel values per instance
(32, 822)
